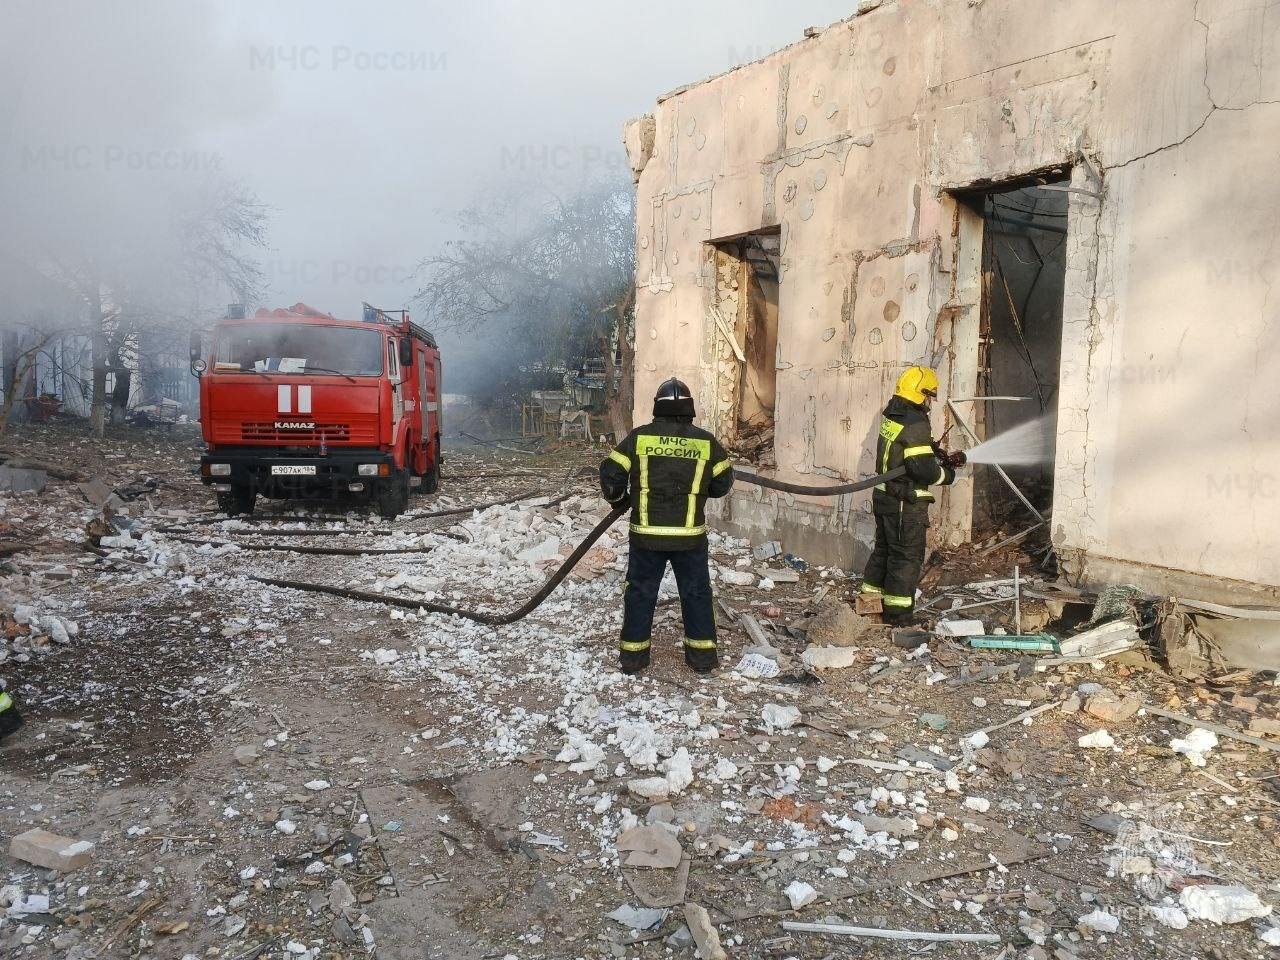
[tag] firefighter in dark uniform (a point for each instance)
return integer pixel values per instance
(902, 505)
(666, 470)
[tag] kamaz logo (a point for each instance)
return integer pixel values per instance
(294, 425)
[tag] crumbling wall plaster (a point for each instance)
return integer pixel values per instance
(848, 143)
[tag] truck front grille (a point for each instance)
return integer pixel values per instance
(322, 432)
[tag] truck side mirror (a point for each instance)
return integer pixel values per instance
(406, 352)
(193, 347)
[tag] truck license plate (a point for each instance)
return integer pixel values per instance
(293, 470)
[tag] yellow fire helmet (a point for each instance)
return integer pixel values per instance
(916, 383)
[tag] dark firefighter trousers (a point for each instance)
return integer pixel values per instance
(10, 719)
(896, 562)
(644, 575)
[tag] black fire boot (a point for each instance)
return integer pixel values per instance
(633, 663)
(10, 721)
(701, 661)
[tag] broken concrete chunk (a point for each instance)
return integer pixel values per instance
(638, 918)
(661, 813)
(829, 658)
(914, 755)
(1098, 740)
(1195, 745)
(95, 491)
(1033, 928)
(650, 846)
(767, 550)
(1101, 641)
(1222, 903)
(1036, 902)
(51, 851)
(704, 933)
(1253, 644)
(548, 549)
(1106, 823)
(725, 769)
(341, 896)
(975, 741)
(650, 788)
(1263, 727)
(893, 826)
(753, 629)
(1099, 921)
(1110, 708)
(800, 894)
(679, 774)
(1175, 918)
(779, 717)
(835, 625)
(245, 754)
(22, 480)
(960, 628)
(780, 574)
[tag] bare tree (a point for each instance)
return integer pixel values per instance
(25, 351)
(553, 275)
(159, 282)
(617, 346)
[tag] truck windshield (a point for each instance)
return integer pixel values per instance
(299, 348)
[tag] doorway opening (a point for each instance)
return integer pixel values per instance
(745, 321)
(1023, 275)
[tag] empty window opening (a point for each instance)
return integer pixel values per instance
(746, 338)
(1024, 241)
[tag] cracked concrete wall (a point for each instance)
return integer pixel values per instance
(1168, 114)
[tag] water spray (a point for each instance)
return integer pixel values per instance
(1025, 445)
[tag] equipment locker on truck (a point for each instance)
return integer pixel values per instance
(295, 403)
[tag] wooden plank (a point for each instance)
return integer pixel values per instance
(843, 930)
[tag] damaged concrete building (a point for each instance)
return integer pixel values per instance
(1071, 203)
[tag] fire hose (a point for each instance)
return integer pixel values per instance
(526, 608)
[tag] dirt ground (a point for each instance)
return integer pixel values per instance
(267, 772)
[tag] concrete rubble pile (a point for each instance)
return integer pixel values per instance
(353, 779)
(33, 631)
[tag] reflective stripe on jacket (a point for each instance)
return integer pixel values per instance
(667, 469)
(905, 441)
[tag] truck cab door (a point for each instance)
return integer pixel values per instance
(423, 394)
(397, 383)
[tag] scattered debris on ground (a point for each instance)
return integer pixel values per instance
(215, 767)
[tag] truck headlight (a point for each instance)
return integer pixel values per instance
(219, 469)
(374, 470)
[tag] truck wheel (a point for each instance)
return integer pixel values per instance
(392, 495)
(431, 479)
(236, 501)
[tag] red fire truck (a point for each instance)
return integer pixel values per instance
(295, 403)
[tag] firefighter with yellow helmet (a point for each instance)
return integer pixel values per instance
(901, 505)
